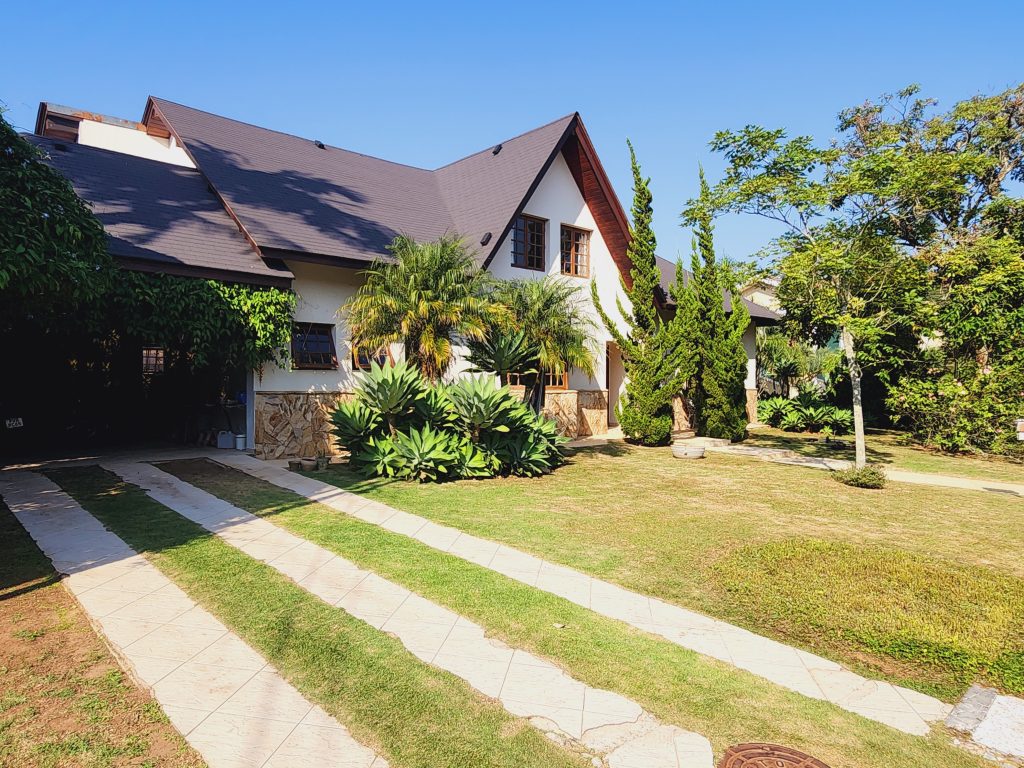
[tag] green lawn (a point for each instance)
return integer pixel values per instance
(679, 686)
(894, 449)
(922, 586)
(417, 715)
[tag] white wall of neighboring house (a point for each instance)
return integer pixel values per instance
(558, 200)
(131, 141)
(321, 291)
(750, 345)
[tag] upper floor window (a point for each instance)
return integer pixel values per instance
(362, 359)
(313, 346)
(152, 360)
(528, 243)
(575, 251)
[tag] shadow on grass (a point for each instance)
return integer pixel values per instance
(23, 567)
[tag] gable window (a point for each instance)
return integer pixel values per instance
(528, 243)
(362, 360)
(554, 380)
(313, 347)
(152, 360)
(575, 251)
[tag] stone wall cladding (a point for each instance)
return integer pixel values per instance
(680, 415)
(752, 406)
(292, 424)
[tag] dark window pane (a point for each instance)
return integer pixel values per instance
(313, 346)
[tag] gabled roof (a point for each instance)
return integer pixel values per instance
(303, 199)
(758, 314)
(159, 216)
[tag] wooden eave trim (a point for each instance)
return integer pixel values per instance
(151, 110)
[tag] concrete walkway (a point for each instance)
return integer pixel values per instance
(229, 703)
(601, 723)
(786, 456)
(797, 670)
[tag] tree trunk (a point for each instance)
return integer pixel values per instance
(858, 406)
(537, 392)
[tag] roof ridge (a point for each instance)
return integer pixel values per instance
(503, 141)
(291, 135)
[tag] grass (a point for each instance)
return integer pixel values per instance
(415, 714)
(674, 529)
(63, 700)
(679, 686)
(896, 450)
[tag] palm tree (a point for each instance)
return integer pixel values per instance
(550, 314)
(424, 296)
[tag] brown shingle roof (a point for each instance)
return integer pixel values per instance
(293, 195)
(159, 214)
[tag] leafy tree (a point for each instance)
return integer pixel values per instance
(551, 315)
(656, 361)
(713, 338)
(886, 229)
(53, 252)
(424, 297)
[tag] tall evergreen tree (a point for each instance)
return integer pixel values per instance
(653, 354)
(714, 338)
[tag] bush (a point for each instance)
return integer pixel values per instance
(871, 476)
(973, 413)
(644, 429)
(399, 425)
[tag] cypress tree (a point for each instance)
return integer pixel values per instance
(714, 339)
(652, 350)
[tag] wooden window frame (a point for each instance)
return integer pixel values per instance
(301, 330)
(520, 232)
(154, 360)
(515, 380)
(573, 256)
(383, 356)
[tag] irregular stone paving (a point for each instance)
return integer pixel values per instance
(605, 724)
(995, 722)
(229, 703)
(797, 670)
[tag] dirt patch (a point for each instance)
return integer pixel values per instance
(64, 701)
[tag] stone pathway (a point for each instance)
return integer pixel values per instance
(995, 723)
(786, 456)
(797, 670)
(604, 724)
(229, 703)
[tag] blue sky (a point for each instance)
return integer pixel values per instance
(425, 83)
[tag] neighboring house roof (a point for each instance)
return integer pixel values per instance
(159, 216)
(760, 315)
(306, 199)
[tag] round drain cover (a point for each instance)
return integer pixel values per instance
(767, 756)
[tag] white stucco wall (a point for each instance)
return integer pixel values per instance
(131, 141)
(321, 292)
(750, 345)
(558, 200)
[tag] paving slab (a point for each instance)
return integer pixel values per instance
(789, 667)
(227, 701)
(600, 722)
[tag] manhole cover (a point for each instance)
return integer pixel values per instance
(767, 756)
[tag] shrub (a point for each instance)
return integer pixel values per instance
(642, 428)
(772, 409)
(807, 413)
(871, 476)
(400, 426)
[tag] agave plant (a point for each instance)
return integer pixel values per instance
(792, 421)
(354, 424)
(503, 353)
(471, 460)
(380, 458)
(481, 406)
(391, 391)
(524, 454)
(435, 408)
(426, 454)
(772, 409)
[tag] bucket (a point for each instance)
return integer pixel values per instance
(239, 442)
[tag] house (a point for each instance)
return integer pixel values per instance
(188, 192)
